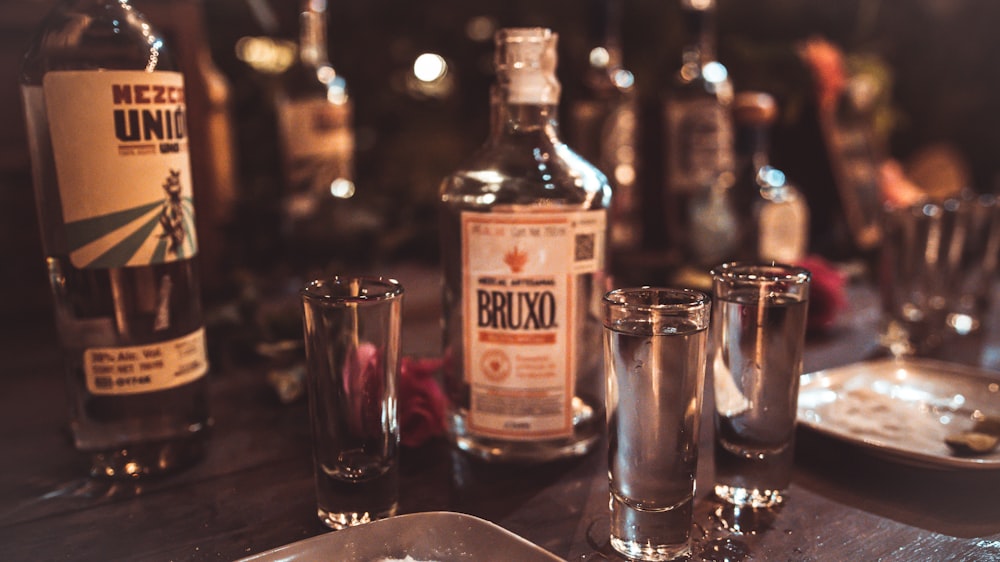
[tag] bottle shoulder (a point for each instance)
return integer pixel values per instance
(99, 35)
(302, 81)
(526, 170)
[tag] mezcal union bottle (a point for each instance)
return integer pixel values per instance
(702, 224)
(523, 237)
(105, 110)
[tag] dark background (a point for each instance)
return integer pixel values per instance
(940, 54)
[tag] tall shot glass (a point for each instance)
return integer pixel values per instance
(655, 355)
(352, 333)
(758, 329)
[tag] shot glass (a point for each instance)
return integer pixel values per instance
(972, 262)
(655, 355)
(352, 333)
(937, 269)
(758, 337)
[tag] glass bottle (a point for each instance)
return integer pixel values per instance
(701, 222)
(603, 124)
(777, 225)
(855, 154)
(314, 115)
(105, 112)
(523, 226)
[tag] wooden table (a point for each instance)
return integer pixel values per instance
(254, 491)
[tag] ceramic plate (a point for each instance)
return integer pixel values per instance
(438, 536)
(902, 408)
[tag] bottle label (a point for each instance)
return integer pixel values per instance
(521, 314)
(318, 143)
(783, 231)
(145, 368)
(120, 144)
(699, 144)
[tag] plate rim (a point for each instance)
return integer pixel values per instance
(893, 452)
(284, 552)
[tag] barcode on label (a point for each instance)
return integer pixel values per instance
(584, 247)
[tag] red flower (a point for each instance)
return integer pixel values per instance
(826, 293)
(421, 401)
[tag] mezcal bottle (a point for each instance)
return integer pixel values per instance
(314, 114)
(106, 125)
(775, 213)
(701, 222)
(523, 235)
(604, 127)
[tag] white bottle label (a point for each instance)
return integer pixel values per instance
(699, 144)
(145, 368)
(315, 127)
(520, 317)
(783, 231)
(120, 144)
(317, 141)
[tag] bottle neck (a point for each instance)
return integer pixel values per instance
(312, 34)
(752, 144)
(511, 116)
(604, 30)
(699, 29)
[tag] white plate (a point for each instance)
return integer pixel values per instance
(902, 408)
(438, 536)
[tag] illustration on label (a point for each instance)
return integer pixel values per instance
(120, 144)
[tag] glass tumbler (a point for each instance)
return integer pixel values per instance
(352, 335)
(758, 339)
(654, 350)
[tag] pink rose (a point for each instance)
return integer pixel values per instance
(362, 380)
(421, 401)
(826, 293)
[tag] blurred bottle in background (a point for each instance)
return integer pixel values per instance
(774, 214)
(316, 137)
(856, 156)
(603, 126)
(700, 221)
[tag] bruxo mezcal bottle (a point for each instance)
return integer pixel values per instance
(523, 231)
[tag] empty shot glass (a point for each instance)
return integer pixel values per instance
(655, 359)
(937, 270)
(758, 338)
(352, 333)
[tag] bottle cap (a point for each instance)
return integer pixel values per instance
(526, 63)
(754, 108)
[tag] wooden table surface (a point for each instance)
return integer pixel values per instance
(254, 491)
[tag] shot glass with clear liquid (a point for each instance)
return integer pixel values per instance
(655, 359)
(758, 338)
(352, 335)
